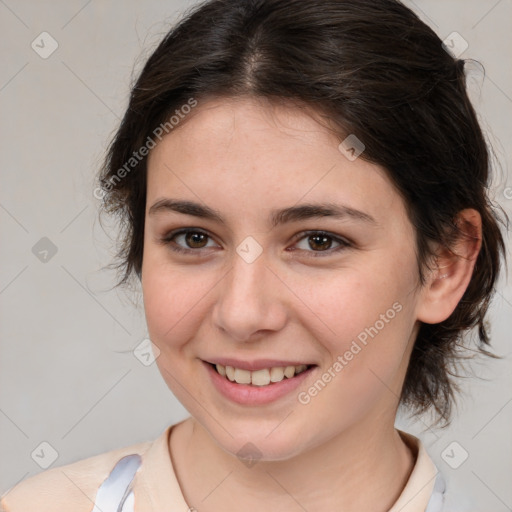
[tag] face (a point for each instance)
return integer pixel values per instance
(293, 255)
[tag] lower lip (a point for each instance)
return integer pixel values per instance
(248, 394)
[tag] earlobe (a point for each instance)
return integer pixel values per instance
(452, 273)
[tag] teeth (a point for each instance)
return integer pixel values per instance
(259, 377)
(289, 371)
(276, 374)
(230, 372)
(242, 376)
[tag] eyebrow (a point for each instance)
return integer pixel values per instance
(277, 217)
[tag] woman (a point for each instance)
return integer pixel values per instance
(303, 189)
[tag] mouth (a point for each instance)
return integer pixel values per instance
(265, 377)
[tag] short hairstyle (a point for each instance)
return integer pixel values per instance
(376, 71)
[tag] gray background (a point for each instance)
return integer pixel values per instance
(68, 376)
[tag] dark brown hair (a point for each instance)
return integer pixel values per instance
(376, 71)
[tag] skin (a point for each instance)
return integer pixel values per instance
(247, 155)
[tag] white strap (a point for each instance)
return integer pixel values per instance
(436, 501)
(115, 494)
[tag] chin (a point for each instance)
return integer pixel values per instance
(257, 443)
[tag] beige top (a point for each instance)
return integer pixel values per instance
(156, 489)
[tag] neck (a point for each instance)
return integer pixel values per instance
(335, 475)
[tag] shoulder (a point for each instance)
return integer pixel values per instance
(71, 484)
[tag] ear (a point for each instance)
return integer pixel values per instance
(448, 281)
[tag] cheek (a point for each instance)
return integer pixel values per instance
(172, 299)
(366, 325)
(347, 304)
(366, 318)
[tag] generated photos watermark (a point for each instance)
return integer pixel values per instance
(357, 345)
(137, 156)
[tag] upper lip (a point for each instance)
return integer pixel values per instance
(257, 364)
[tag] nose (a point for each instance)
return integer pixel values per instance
(250, 301)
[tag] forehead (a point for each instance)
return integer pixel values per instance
(249, 154)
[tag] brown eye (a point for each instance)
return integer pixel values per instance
(316, 242)
(320, 242)
(187, 241)
(196, 239)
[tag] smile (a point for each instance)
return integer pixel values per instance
(263, 377)
(259, 386)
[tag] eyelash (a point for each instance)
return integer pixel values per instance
(344, 244)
